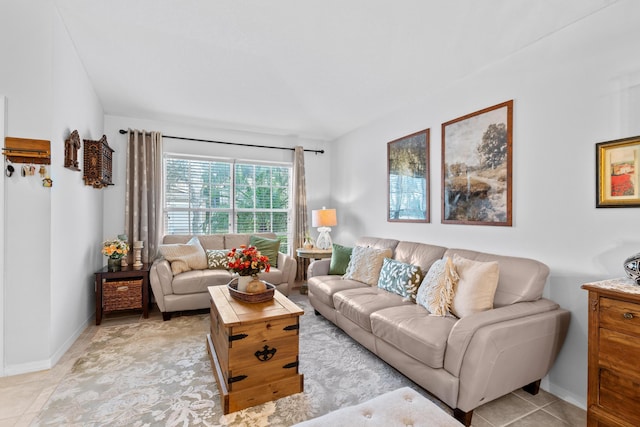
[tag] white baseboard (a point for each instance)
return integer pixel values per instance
(42, 365)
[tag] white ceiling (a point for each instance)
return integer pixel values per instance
(316, 69)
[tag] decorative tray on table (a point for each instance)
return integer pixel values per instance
(251, 297)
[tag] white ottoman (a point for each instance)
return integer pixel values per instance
(403, 407)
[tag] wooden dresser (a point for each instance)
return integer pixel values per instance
(613, 395)
(253, 349)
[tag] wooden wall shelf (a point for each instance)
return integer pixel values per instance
(23, 150)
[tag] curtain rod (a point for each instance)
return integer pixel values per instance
(122, 132)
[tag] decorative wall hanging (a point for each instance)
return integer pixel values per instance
(476, 167)
(408, 178)
(71, 147)
(97, 163)
(618, 173)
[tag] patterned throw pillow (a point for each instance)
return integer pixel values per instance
(217, 259)
(400, 278)
(436, 291)
(365, 264)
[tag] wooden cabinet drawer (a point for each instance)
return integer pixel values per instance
(618, 351)
(619, 395)
(620, 315)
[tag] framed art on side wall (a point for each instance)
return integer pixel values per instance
(618, 173)
(477, 167)
(408, 178)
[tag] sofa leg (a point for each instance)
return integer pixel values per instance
(166, 315)
(316, 312)
(462, 416)
(532, 388)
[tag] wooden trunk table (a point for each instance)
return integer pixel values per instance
(253, 349)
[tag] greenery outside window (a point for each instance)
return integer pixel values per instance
(210, 196)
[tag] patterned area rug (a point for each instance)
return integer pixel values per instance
(158, 373)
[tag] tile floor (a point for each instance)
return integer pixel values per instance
(22, 397)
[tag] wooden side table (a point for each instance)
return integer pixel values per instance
(128, 272)
(314, 254)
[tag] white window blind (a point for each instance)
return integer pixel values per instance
(209, 196)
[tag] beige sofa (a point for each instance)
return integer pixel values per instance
(464, 362)
(188, 290)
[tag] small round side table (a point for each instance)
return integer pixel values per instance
(314, 254)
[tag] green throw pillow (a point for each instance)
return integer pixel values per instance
(217, 259)
(340, 256)
(400, 278)
(267, 247)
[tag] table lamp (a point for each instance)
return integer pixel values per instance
(323, 219)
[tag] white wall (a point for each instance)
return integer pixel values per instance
(3, 231)
(76, 209)
(48, 295)
(317, 165)
(570, 90)
(25, 77)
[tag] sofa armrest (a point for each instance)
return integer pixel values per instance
(318, 267)
(504, 356)
(464, 329)
(161, 278)
(288, 266)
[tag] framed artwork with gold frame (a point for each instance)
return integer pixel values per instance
(618, 173)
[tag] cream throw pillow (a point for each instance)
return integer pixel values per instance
(476, 288)
(365, 264)
(185, 257)
(436, 291)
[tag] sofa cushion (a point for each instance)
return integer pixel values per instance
(378, 243)
(420, 254)
(267, 247)
(521, 279)
(197, 281)
(400, 278)
(324, 287)
(365, 264)
(208, 241)
(340, 257)
(476, 286)
(185, 257)
(217, 259)
(436, 291)
(413, 331)
(358, 304)
(274, 276)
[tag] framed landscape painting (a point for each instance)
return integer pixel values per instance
(408, 178)
(476, 167)
(618, 173)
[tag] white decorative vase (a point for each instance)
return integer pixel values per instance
(243, 281)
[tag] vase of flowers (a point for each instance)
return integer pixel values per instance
(114, 250)
(248, 262)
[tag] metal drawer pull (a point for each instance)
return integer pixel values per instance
(628, 315)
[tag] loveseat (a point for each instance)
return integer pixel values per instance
(180, 277)
(466, 361)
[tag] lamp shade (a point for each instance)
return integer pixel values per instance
(323, 218)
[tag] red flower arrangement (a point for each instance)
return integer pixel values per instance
(248, 261)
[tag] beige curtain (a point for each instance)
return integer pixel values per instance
(299, 209)
(143, 203)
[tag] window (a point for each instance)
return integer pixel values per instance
(209, 196)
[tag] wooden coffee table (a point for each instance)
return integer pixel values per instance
(253, 349)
